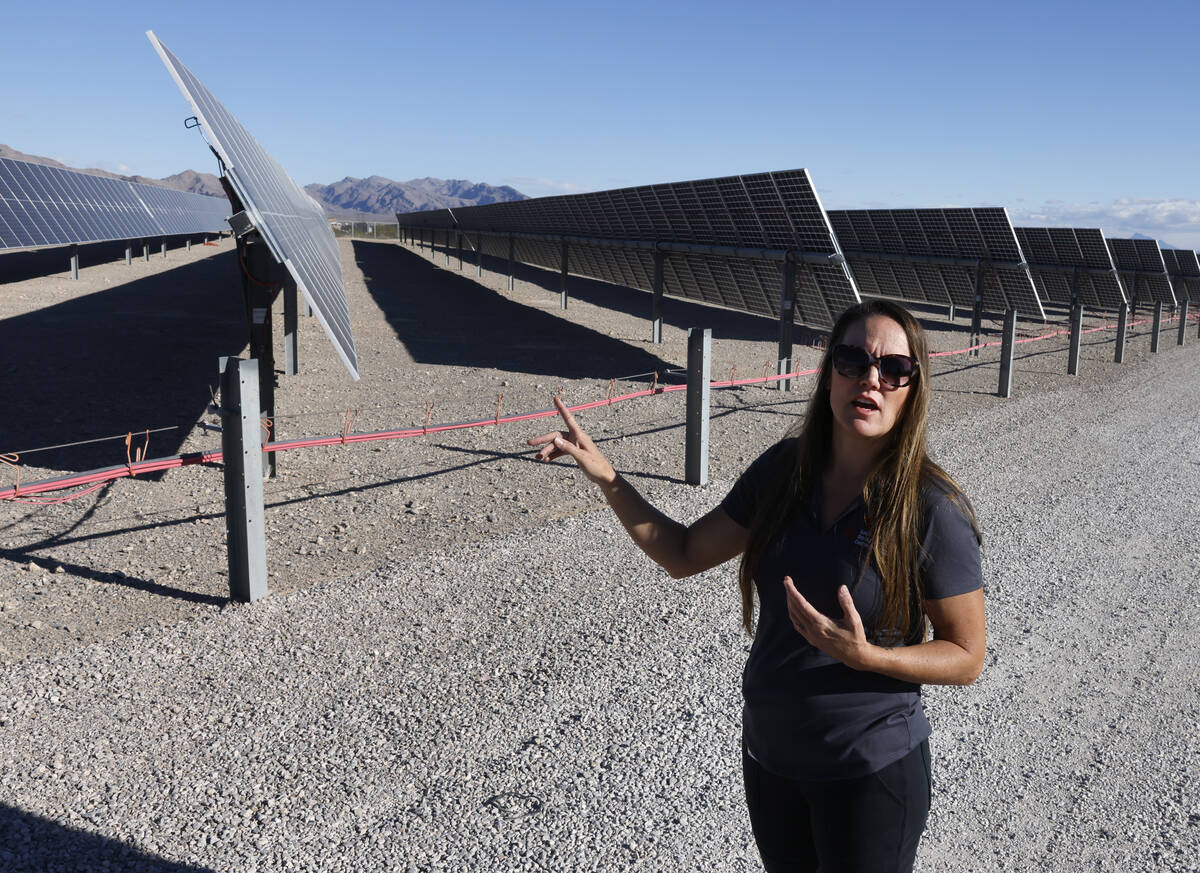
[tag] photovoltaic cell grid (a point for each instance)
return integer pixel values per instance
(776, 210)
(1054, 254)
(1184, 269)
(51, 206)
(885, 248)
(1142, 258)
(290, 221)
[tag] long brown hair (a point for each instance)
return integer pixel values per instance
(893, 491)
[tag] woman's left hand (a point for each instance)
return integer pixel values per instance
(845, 640)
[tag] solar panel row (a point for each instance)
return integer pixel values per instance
(52, 206)
(1064, 258)
(934, 255)
(293, 225)
(1140, 263)
(614, 233)
(1184, 269)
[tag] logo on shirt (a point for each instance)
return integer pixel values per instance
(864, 538)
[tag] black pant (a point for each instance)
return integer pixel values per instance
(870, 824)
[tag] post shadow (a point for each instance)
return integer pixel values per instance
(136, 356)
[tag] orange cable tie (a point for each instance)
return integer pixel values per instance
(654, 389)
(611, 383)
(346, 427)
(266, 424)
(428, 409)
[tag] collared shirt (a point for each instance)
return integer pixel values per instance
(807, 715)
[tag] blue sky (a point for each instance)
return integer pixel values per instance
(1063, 112)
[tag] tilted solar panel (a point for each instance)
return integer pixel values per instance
(52, 206)
(1184, 268)
(293, 224)
(1062, 257)
(1142, 259)
(775, 211)
(895, 252)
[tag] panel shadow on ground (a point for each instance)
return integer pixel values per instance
(447, 319)
(136, 356)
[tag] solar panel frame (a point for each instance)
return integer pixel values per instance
(1057, 254)
(292, 224)
(1184, 268)
(1132, 259)
(43, 206)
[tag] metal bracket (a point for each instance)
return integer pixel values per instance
(242, 224)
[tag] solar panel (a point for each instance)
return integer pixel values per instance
(52, 206)
(1141, 259)
(291, 223)
(614, 234)
(1184, 269)
(899, 250)
(1063, 257)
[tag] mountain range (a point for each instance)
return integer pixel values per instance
(361, 199)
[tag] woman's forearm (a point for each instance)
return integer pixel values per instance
(936, 662)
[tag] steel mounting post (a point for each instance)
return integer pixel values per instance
(699, 370)
(657, 298)
(511, 260)
(291, 342)
(1122, 332)
(1182, 337)
(1007, 346)
(74, 260)
(241, 448)
(977, 310)
(1076, 338)
(562, 285)
(1154, 331)
(259, 299)
(787, 316)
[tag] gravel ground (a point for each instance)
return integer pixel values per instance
(464, 665)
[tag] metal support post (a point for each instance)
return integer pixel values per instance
(511, 260)
(784, 366)
(699, 369)
(1157, 326)
(447, 248)
(245, 526)
(164, 247)
(562, 285)
(950, 312)
(479, 255)
(291, 342)
(1075, 288)
(787, 315)
(188, 244)
(656, 300)
(1007, 345)
(1076, 337)
(146, 250)
(74, 261)
(128, 252)
(458, 240)
(1122, 330)
(1183, 308)
(977, 310)
(259, 299)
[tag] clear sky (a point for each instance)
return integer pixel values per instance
(1066, 113)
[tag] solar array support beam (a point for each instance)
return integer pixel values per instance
(246, 540)
(1157, 328)
(699, 374)
(1183, 308)
(562, 285)
(1076, 337)
(511, 261)
(787, 308)
(259, 300)
(1007, 347)
(291, 341)
(146, 250)
(1122, 332)
(163, 245)
(478, 255)
(656, 299)
(977, 309)
(128, 252)
(74, 260)
(458, 242)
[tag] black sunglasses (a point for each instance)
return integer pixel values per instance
(853, 363)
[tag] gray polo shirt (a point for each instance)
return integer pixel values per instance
(807, 715)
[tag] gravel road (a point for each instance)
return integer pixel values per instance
(465, 665)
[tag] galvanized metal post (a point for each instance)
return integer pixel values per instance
(291, 343)
(146, 250)
(479, 255)
(1075, 288)
(562, 287)
(657, 298)
(784, 366)
(977, 310)
(259, 303)
(74, 261)
(447, 248)
(699, 369)
(458, 240)
(1007, 345)
(128, 252)
(1183, 308)
(1076, 337)
(188, 244)
(246, 538)
(164, 247)
(787, 315)
(1122, 330)
(511, 256)
(950, 312)
(1157, 326)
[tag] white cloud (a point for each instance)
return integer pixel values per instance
(1173, 221)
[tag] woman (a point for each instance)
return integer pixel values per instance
(853, 542)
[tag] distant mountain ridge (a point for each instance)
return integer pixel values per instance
(370, 198)
(376, 196)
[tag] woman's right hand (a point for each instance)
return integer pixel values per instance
(575, 442)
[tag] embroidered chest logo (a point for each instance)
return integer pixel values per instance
(864, 538)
